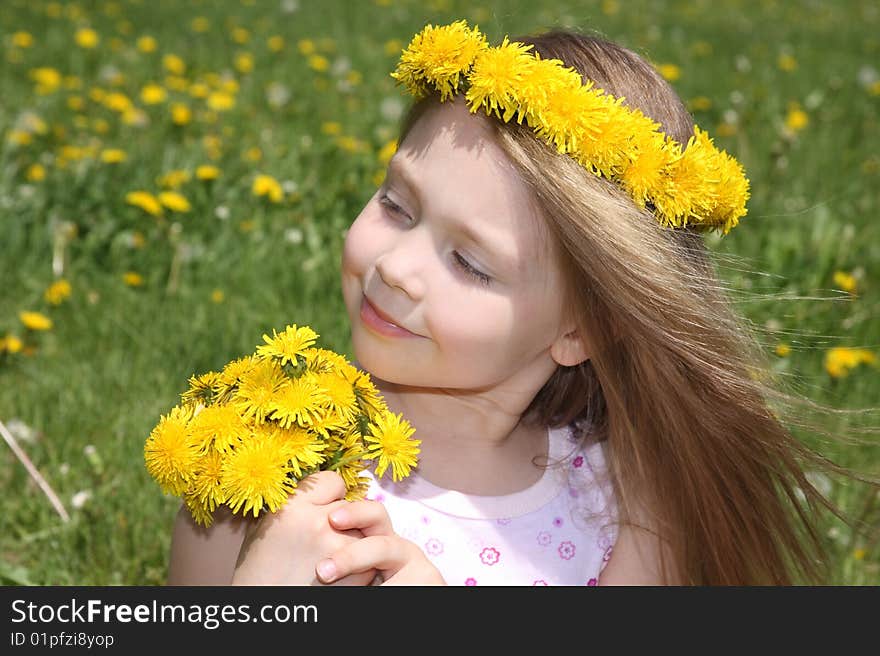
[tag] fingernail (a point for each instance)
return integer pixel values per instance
(327, 570)
(338, 516)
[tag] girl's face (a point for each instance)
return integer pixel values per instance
(481, 308)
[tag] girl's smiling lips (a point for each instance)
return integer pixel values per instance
(381, 322)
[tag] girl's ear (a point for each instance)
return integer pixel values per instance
(569, 349)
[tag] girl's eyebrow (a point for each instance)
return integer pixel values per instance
(396, 166)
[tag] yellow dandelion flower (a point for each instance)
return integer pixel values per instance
(180, 114)
(217, 296)
(207, 172)
(670, 72)
(240, 35)
(845, 281)
(305, 448)
(256, 475)
(318, 63)
(326, 424)
(340, 393)
(173, 179)
(86, 38)
(439, 56)
(201, 389)
(266, 185)
(174, 201)
(220, 101)
(218, 427)
(287, 345)
(169, 453)
(299, 401)
(786, 62)
(244, 62)
(257, 390)
(391, 443)
(11, 344)
(144, 200)
(783, 350)
(35, 321)
(796, 119)
(275, 43)
(153, 94)
(840, 361)
(255, 154)
(22, 39)
(113, 156)
(331, 127)
(205, 485)
(173, 64)
(57, 291)
(146, 44)
(47, 78)
(35, 173)
(133, 279)
(198, 508)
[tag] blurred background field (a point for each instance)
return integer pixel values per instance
(176, 179)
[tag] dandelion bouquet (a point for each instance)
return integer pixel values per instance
(245, 436)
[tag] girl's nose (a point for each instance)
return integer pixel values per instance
(403, 267)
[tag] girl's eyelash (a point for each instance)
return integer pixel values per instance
(463, 263)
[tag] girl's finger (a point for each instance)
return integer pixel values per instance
(322, 487)
(375, 552)
(368, 516)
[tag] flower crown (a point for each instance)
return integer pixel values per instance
(694, 184)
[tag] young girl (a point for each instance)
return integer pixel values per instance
(534, 296)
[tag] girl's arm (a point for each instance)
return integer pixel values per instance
(205, 556)
(635, 560)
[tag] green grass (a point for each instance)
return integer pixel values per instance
(118, 356)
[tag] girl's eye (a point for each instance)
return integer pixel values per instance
(471, 271)
(394, 208)
(391, 205)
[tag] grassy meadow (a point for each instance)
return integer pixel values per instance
(176, 179)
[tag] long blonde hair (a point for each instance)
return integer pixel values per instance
(676, 383)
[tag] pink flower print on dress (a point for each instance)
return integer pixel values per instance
(566, 550)
(544, 538)
(592, 582)
(426, 519)
(540, 582)
(490, 556)
(504, 521)
(433, 547)
(470, 581)
(557, 522)
(607, 555)
(578, 462)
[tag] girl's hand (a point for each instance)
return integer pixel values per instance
(399, 561)
(282, 548)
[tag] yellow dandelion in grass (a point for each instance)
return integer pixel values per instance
(306, 450)
(144, 200)
(783, 350)
(173, 64)
(153, 94)
(298, 401)
(256, 475)
(275, 43)
(391, 443)
(169, 452)
(207, 172)
(113, 156)
(287, 345)
(796, 119)
(35, 321)
(267, 186)
(87, 38)
(220, 101)
(258, 389)
(670, 72)
(57, 292)
(147, 44)
(173, 178)
(35, 173)
(11, 344)
(22, 39)
(133, 279)
(845, 281)
(174, 201)
(234, 371)
(218, 427)
(180, 114)
(201, 389)
(786, 62)
(840, 361)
